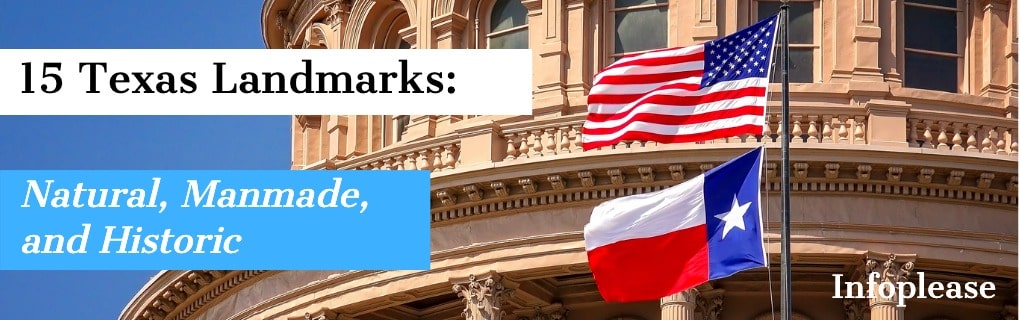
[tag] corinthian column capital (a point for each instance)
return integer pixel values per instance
(484, 296)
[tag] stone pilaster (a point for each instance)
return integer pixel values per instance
(679, 306)
(485, 296)
(546, 25)
(578, 73)
(867, 35)
(994, 81)
(885, 272)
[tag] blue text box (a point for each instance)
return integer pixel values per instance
(221, 220)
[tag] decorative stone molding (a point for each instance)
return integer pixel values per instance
(831, 170)
(705, 167)
(676, 172)
(800, 170)
(586, 179)
(864, 172)
(955, 177)
(337, 12)
(446, 197)
(554, 311)
(615, 176)
(556, 181)
(856, 309)
(894, 174)
(528, 185)
(647, 174)
(168, 302)
(985, 180)
(473, 193)
(1011, 185)
(711, 305)
(484, 297)
(890, 269)
(322, 315)
(500, 188)
(925, 175)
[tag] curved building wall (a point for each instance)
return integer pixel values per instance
(903, 157)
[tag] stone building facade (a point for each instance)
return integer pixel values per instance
(902, 132)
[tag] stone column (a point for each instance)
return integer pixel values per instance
(884, 272)
(679, 306)
(485, 296)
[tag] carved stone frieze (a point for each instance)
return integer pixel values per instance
(322, 315)
(894, 174)
(711, 306)
(705, 167)
(831, 170)
(337, 12)
(855, 309)
(557, 182)
(473, 192)
(484, 297)
(1011, 185)
(615, 176)
(800, 170)
(586, 179)
(446, 197)
(647, 174)
(955, 177)
(528, 185)
(864, 172)
(985, 180)
(925, 174)
(500, 188)
(676, 172)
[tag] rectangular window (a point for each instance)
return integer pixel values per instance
(638, 25)
(931, 54)
(803, 40)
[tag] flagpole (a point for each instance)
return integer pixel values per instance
(785, 310)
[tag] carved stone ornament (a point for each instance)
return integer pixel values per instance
(711, 307)
(890, 270)
(484, 298)
(855, 308)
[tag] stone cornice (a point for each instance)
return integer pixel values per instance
(178, 295)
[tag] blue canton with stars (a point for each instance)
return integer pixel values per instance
(744, 54)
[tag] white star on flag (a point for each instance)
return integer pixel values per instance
(735, 217)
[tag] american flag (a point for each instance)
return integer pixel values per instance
(697, 93)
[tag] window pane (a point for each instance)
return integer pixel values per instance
(513, 40)
(930, 72)
(802, 66)
(631, 3)
(507, 14)
(640, 30)
(929, 29)
(943, 3)
(802, 20)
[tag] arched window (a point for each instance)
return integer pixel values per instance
(508, 25)
(637, 25)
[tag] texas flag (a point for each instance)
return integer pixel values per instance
(648, 246)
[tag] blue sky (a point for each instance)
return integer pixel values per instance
(124, 142)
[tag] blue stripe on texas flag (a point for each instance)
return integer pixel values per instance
(732, 214)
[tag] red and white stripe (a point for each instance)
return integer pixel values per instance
(657, 96)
